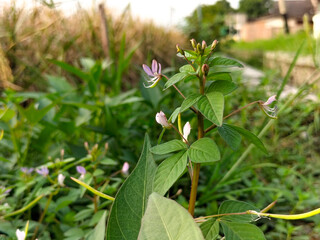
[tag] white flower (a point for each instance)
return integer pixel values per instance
(186, 131)
(162, 119)
(21, 235)
(61, 178)
(125, 168)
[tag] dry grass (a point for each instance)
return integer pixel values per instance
(30, 37)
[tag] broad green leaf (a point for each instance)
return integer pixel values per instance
(100, 229)
(59, 84)
(168, 147)
(231, 136)
(131, 200)
(225, 87)
(241, 231)
(225, 76)
(204, 150)
(174, 115)
(167, 220)
(175, 79)
(250, 137)
(211, 106)
(169, 171)
(189, 101)
(6, 114)
(187, 69)
(215, 61)
(210, 229)
(232, 206)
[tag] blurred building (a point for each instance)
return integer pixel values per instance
(273, 24)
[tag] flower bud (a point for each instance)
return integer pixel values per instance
(214, 44)
(179, 50)
(199, 49)
(61, 178)
(205, 69)
(204, 45)
(125, 168)
(162, 119)
(194, 44)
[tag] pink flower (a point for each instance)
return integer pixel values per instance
(162, 119)
(154, 73)
(270, 112)
(270, 100)
(186, 131)
(125, 168)
(43, 171)
(82, 171)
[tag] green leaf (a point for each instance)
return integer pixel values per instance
(211, 106)
(204, 150)
(174, 115)
(225, 87)
(232, 206)
(241, 231)
(250, 137)
(210, 229)
(219, 76)
(169, 147)
(169, 171)
(71, 69)
(231, 136)
(34, 115)
(175, 79)
(100, 229)
(130, 203)
(59, 84)
(166, 219)
(187, 69)
(218, 61)
(189, 101)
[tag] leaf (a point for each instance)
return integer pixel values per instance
(210, 229)
(241, 231)
(169, 147)
(130, 203)
(250, 137)
(215, 61)
(174, 115)
(189, 101)
(225, 87)
(169, 171)
(232, 206)
(100, 229)
(71, 69)
(204, 150)
(219, 76)
(211, 106)
(187, 69)
(175, 79)
(166, 219)
(231, 136)
(34, 115)
(59, 84)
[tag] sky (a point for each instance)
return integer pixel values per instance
(163, 12)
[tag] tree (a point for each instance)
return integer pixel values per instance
(207, 21)
(254, 8)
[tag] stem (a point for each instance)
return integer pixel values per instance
(196, 169)
(42, 215)
(185, 140)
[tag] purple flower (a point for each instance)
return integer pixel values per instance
(43, 171)
(162, 119)
(154, 73)
(82, 171)
(270, 112)
(26, 170)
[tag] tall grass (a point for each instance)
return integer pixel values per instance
(30, 37)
